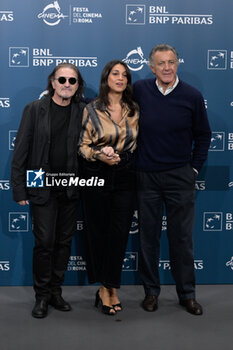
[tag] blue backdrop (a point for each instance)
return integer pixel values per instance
(37, 35)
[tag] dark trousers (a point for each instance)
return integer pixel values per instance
(54, 226)
(173, 189)
(108, 213)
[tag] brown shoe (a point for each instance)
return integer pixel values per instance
(192, 306)
(150, 303)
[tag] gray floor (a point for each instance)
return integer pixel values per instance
(86, 328)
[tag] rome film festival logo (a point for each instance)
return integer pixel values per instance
(52, 14)
(212, 221)
(230, 263)
(76, 263)
(135, 59)
(18, 222)
(43, 94)
(18, 57)
(217, 59)
(230, 184)
(217, 141)
(35, 178)
(135, 14)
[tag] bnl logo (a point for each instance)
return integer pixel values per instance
(35, 178)
(135, 14)
(12, 138)
(229, 221)
(217, 59)
(18, 57)
(217, 141)
(130, 262)
(212, 221)
(230, 263)
(18, 222)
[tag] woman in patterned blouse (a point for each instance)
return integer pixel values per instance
(107, 143)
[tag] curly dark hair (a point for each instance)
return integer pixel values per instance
(102, 101)
(79, 93)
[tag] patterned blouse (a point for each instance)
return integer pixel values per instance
(100, 130)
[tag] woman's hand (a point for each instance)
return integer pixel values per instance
(109, 156)
(108, 151)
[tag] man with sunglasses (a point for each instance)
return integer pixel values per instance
(46, 142)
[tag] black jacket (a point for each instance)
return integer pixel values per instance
(32, 147)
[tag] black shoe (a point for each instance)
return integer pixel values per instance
(192, 306)
(117, 307)
(107, 310)
(40, 309)
(150, 303)
(59, 303)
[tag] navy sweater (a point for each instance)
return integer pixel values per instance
(173, 129)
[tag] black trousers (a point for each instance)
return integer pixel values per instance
(174, 189)
(54, 226)
(108, 213)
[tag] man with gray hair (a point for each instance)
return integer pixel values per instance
(173, 143)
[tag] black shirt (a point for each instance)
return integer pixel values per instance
(60, 118)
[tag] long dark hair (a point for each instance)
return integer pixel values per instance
(102, 100)
(79, 93)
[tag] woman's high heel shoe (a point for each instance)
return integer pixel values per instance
(107, 310)
(117, 307)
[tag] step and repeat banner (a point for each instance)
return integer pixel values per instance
(37, 35)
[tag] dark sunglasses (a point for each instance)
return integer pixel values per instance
(62, 80)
